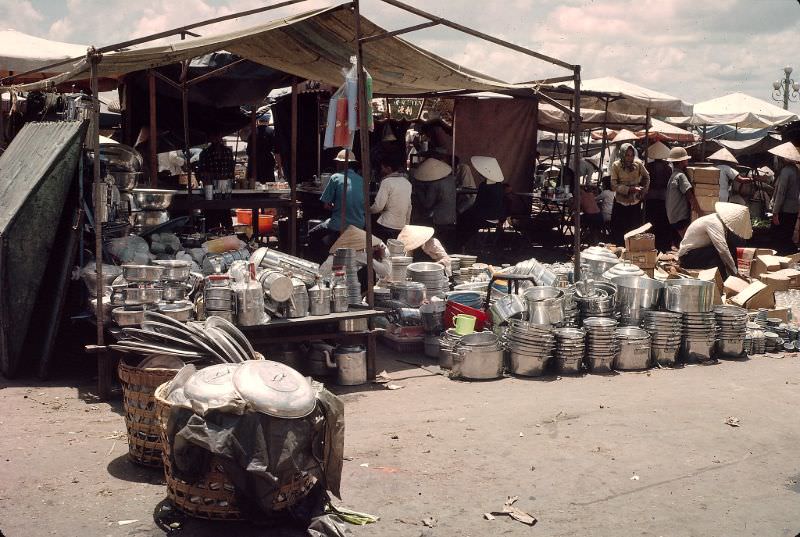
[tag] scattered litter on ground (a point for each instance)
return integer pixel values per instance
(488, 516)
(634, 477)
(430, 522)
(382, 378)
(127, 522)
(732, 421)
(394, 386)
(364, 465)
(513, 512)
(116, 435)
(352, 517)
(110, 451)
(521, 435)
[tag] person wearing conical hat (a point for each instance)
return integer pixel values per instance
(421, 237)
(356, 239)
(434, 197)
(655, 209)
(785, 202)
(711, 240)
(728, 175)
(630, 180)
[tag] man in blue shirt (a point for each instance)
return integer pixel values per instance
(322, 236)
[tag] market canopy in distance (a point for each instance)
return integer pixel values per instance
(736, 109)
(20, 52)
(314, 45)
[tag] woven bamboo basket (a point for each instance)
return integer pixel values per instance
(138, 386)
(213, 497)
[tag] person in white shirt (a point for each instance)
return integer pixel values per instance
(393, 201)
(723, 159)
(606, 199)
(711, 240)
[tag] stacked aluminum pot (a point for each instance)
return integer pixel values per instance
(176, 289)
(545, 305)
(447, 343)
(665, 329)
(530, 347)
(140, 292)
(695, 300)
(430, 274)
(636, 295)
(731, 330)
(478, 356)
(633, 349)
(399, 264)
(219, 298)
(410, 293)
(595, 299)
(345, 258)
(601, 343)
(570, 348)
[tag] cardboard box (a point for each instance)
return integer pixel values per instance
(745, 257)
(765, 263)
(705, 175)
(754, 296)
(643, 260)
(701, 189)
(638, 240)
(707, 203)
(733, 286)
(792, 274)
(775, 281)
(794, 258)
(779, 313)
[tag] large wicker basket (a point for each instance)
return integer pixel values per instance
(212, 497)
(138, 386)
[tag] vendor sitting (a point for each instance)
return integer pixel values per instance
(711, 240)
(356, 239)
(325, 233)
(414, 237)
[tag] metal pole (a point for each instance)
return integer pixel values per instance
(252, 152)
(293, 175)
(153, 141)
(646, 134)
(364, 109)
(577, 180)
(187, 155)
(703, 145)
(786, 83)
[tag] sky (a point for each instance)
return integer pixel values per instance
(692, 49)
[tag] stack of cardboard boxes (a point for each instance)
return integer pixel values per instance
(768, 273)
(640, 249)
(705, 183)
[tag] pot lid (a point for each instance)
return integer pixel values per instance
(212, 386)
(275, 389)
(623, 269)
(597, 253)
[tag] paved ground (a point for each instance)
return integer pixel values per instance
(631, 454)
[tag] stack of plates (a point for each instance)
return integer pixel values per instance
(665, 330)
(465, 260)
(430, 274)
(761, 318)
(570, 348)
(346, 258)
(601, 344)
(399, 265)
(698, 336)
(731, 329)
(530, 346)
(455, 264)
(772, 342)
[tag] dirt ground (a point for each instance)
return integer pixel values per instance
(645, 454)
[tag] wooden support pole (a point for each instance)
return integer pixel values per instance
(153, 138)
(646, 134)
(187, 155)
(293, 174)
(577, 179)
(252, 147)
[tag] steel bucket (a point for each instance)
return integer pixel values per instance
(635, 295)
(545, 305)
(689, 296)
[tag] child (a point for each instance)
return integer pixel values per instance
(591, 218)
(606, 199)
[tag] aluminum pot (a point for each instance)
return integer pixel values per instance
(478, 362)
(142, 273)
(350, 362)
(150, 199)
(89, 276)
(276, 285)
(175, 292)
(128, 316)
(545, 305)
(175, 270)
(636, 294)
(633, 350)
(180, 311)
(527, 364)
(320, 301)
(137, 296)
(506, 307)
(432, 314)
(126, 180)
(730, 347)
(689, 296)
(145, 219)
(411, 293)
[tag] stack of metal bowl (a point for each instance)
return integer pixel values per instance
(447, 342)
(455, 264)
(545, 305)
(399, 265)
(594, 302)
(601, 343)
(432, 275)
(731, 330)
(699, 336)
(346, 258)
(665, 328)
(634, 349)
(570, 348)
(635, 296)
(772, 342)
(466, 260)
(530, 347)
(478, 356)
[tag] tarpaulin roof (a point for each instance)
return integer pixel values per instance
(555, 120)
(660, 131)
(20, 52)
(313, 45)
(736, 109)
(629, 98)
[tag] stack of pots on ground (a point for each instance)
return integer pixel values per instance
(447, 342)
(430, 274)
(665, 330)
(478, 356)
(545, 305)
(601, 343)
(530, 346)
(399, 264)
(595, 299)
(174, 279)
(636, 295)
(633, 349)
(346, 259)
(694, 299)
(570, 348)
(432, 315)
(731, 330)
(219, 298)
(141, 292)
(571, 311)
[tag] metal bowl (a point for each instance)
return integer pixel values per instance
(121, 157)
(180, 311)
(142, 273)
(151, 199)
(126, 181)
(128, 316)
(175, 292)
(175, 270)
(144, 219)
(138, 296)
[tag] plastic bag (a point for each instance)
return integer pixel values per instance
(131, 249)
(351, 85)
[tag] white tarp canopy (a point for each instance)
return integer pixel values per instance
(659, 131)
(21, 52)
(314, 45)
(737, 109)
(555, 120)
(629, 98)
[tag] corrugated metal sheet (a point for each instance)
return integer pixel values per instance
(36, 172)
(315, 45)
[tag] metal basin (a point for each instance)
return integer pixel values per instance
(142, 273)
(150, 199)
(689, 296)
(175, 270)
(145, 219)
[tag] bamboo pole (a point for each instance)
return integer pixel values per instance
(577, 180)
(254, 150)
(187, 155)
(293, 175)
(153, 141)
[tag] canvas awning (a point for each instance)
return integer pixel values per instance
(737, 109)
(554, 120)
(659, 131)
(314, 45)
(626, 97)
(20, 52)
